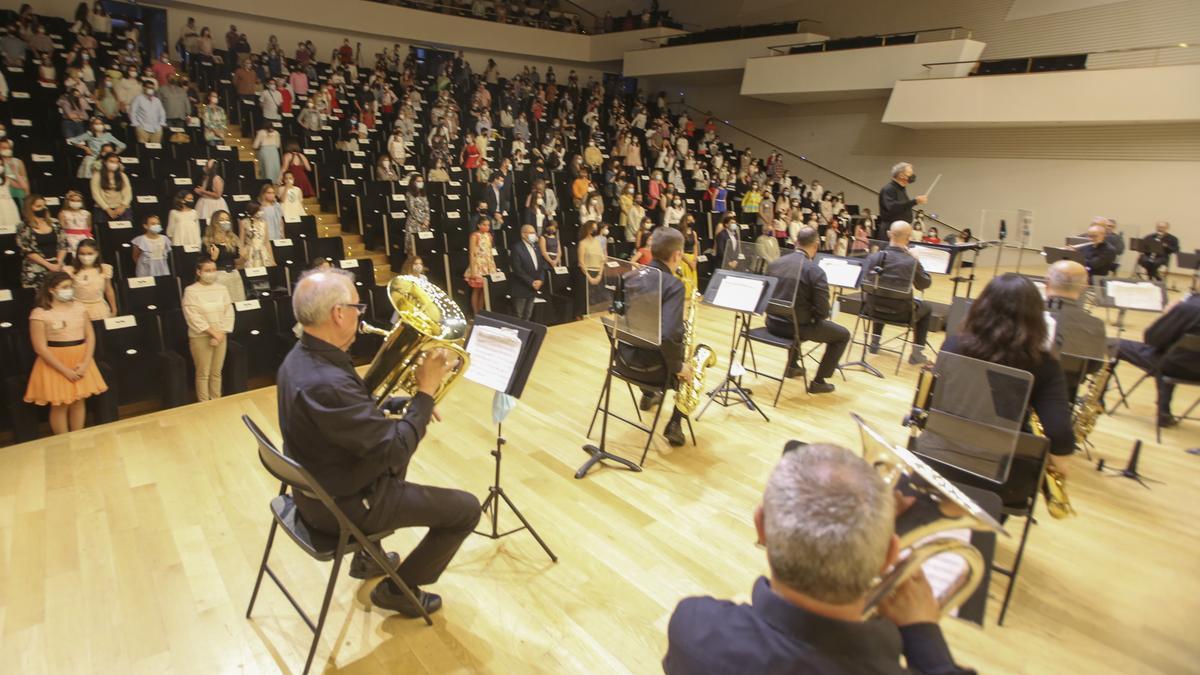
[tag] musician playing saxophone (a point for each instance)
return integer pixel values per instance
(665, 363)
(1006, 325)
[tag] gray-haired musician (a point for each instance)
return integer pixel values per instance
(827, 520)
(1151, 262)
(332, 427)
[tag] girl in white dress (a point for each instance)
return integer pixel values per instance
(256, 248)
(9, 216)
(210, 191)
(290, 197)
(183, 224)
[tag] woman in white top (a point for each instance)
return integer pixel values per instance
(673, 214)
(397, 149)
(210, 192)
(291, 198)
(183, 223)
(266, 146)
(208, 310)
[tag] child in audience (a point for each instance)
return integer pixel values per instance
(92, 281)
(76, 223)
(291, 198)
(183, 224)
(150, 250)
(256, 248)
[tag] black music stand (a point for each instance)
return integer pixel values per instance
(1190, 261)
(1131, 467)
(743, 305)
(1053, 254)
(506, 374)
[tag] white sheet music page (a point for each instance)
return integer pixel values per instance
(946, 572)
(840, 272)
(933, 260)
(1134, 295)
(739, 294)
(494, 354)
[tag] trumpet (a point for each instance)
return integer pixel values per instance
(428, 320)
(955, 511)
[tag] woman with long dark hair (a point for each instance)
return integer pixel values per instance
(1007, 325)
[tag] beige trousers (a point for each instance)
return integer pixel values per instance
(209, 362)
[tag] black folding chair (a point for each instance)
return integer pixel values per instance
(319, 546)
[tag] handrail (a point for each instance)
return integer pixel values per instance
(798, 23)
(804, 159)
(883, 36)
(451, 9)
(585, 9)
(1126, 50)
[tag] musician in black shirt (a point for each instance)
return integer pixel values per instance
(1099, 256)
(1156, 356)
(895, 269)
(1151, 262)
(332, 427)
(894, 203)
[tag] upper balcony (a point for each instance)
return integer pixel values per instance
(1158, 85)
(709, 54)
(852, 68)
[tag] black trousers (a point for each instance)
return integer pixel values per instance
(1146, 358)
(1151, 265)
(656, 373)
(924, 313)
(835, 337)
(523, 307)
(451, 515)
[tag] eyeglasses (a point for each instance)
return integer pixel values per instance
(362, 308)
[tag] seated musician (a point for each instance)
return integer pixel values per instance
(892, 267)
(332, 427)
(827, 521)
(1181, 318)
(1006, 325)
(1151, 262)
(802, 279)
(1066, 280)
(667, 362)
(1099, 255)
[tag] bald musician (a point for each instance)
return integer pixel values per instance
(893, 268)
(1066, 281)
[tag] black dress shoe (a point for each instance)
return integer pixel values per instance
(794, 371)
(364, 566)
(674, 434)
(874, 347)
(649, 401)
(386, 596)
(1167, 421)
(820, 387)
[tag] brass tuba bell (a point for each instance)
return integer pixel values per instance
(428, 320)
(950, 509)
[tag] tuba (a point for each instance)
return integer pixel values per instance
(953, 511)
(428, 320)
(699, 356)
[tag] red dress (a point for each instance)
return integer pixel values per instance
(300, 174)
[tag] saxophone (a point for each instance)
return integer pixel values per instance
(1088, 408)
(1054, 484)
(699, 356)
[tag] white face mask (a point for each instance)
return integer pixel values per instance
(531, 238)
(87, 259)
(65, 294)
(208, 277)
(419, 184)
(75, 204)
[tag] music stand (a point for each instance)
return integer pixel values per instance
(934, 258)
(1190, 261)
(503, 350)
(1053, 254)
(1131, 294)
(842, 273)
(744, 294)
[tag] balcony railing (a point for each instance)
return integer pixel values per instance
(1135, 57)
(869, 41)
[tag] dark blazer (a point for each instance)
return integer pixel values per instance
(1100, 259)
(525, 270)
(497, 203)
(805, 281)
(670, 350)
(894, 205)
(1184, 318)
(896, 266)
(725, 244)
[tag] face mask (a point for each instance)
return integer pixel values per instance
(65, 294)
(912, 179)
(6, 153)
(113, 167)
(97, 130)
(40, 213)
(419, 184)
(156, 228)
(75, 204)
(208, 277)
(87, 259)
(189, 202)
(225, 225)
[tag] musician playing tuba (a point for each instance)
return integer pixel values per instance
(667, 362)
(827, 521)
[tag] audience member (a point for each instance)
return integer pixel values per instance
(208, 308)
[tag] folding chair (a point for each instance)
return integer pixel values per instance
(875, 288)
(1188, 343)
(781, 308)
(319, 546)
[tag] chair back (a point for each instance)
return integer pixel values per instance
(291, 474)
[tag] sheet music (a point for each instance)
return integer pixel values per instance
(946, 572)
(934, 260)
(739, 294)
(1134, 295)
(494, 355)
(840, 272)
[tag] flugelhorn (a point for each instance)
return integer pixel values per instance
(427, 319)
(921, 542)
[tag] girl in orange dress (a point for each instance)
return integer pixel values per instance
(65, 373)
(481, 261)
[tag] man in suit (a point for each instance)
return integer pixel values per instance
(891, 270)
(1099, 256)
(1169, 243)
(496, 196)
(1083, 338)
(528, 272)
(803, 282)
(1152, 356)
(728, 245)
(667, 362)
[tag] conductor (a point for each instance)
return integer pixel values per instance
(666, 362)
(894, 203)
(332, 427)
(800, 278)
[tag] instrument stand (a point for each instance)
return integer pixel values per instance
(491, 505)
(1131, 468)
(731, 386)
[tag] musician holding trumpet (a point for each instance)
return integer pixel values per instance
(827, 521)
(333, 427)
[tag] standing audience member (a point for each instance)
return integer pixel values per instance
(418, 212)
(215, 120)
(111, 191)
(183, 225)
(41, 241)
(65, 373)
(291, 198)
(270, 211)
(528, 273)
(266, 145)
(210, 192)
(256, 249)
(481, 262)
(295, 163)
(208, 309)
(92, 281)
(221, 246)
(151, 250)
(13, 169)
(147, 115)
(91, 143)
(75, 222)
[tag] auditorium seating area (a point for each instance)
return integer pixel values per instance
(143, 353)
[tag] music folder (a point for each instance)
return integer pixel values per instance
(739, 291)
(839, 271)
(935, 259)
(503, 350)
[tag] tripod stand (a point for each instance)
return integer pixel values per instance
(731, 386)
(1131, 468)
(491, 505)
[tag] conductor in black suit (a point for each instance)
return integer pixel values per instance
(667, 362)
(894, 202)
(802, 279)
(892, 268)
(528, 273)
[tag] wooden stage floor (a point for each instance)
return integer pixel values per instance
(132, 547)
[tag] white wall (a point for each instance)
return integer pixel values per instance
(1165, 94)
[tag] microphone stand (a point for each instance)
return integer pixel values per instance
(1131, 467)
